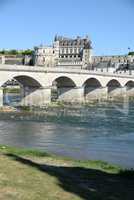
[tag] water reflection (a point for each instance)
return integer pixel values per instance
(12, 99)
(101, 131)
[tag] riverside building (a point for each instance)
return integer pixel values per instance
(65, 51)
(70, 53)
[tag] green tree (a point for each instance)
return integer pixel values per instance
(2, 52)
(13, 52)
(131, 53)
(27, 52)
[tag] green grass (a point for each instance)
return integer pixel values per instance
(22, 152)
(30, 175)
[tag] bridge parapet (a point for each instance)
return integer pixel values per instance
(62, 69)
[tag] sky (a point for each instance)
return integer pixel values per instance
(28, 23)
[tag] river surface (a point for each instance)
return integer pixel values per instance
(102, 131)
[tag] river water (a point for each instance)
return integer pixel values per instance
(101, 131)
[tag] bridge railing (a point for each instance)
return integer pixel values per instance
(58, 69)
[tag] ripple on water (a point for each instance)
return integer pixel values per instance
(101, 131)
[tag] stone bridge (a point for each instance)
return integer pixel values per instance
(73, 85)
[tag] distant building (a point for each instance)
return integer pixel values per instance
(122, 59)
(113, 63)
(70, 53)
(64, 51)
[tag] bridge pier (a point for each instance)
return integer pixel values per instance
(32, 96)
(1, 96)
(67, 94)
(96, 93)
(130, 91)
(117, 92)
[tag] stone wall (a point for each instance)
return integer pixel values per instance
(15, 60)
(113, 59)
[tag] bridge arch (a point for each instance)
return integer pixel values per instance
(92, 82)
(129, 84)
(24, 80)
(27, 81)
(113, 83)
(130, 88)
(64, 81)
(92, 79)
(29, 91)
(115, 89)
(62, 88)
(92, 87)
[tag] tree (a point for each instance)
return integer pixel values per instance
(13, 52)
(16, 52)
(27, 52)
(2, 52)
(131, 53)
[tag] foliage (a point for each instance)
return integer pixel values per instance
(131, 53)
(2, 52)
(16, 52)
(27, 52)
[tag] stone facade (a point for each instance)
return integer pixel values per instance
(16, 59)
(44, 56)
(122, 59)
(64, 50)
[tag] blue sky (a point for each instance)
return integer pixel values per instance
(27, 23)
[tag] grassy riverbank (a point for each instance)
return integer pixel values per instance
(32, 175)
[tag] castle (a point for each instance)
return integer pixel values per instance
(68, 52)
(64, 51)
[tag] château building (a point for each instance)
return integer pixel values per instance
(64, 51)
(69, 53)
